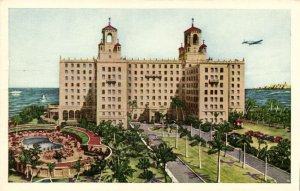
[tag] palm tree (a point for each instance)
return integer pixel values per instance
(260, 142)
(162, 154)
(185, 133)
(217, 145)
(121, 169)
(132, 105)
(17, 120)
(250, 103)
(265, 153)
(226, 129)
(100, 166)
(198, 140)
(51, 167)
(144, 164)
(246, 140)
(175, 104)
(77, 166)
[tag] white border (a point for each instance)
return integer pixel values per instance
(294, 6)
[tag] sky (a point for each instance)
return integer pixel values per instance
(38, 37)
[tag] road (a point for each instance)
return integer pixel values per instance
(280, 176)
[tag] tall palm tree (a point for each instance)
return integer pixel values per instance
(185, 133)
(246, 140)
(198, 140)
(77, 166)
(226, 128)
(218, 145)
(260, 142)
(51, 167)
(175, 104)
(250, 104)
(162, 154)
(132, 105)
(17, 120)
(121, 169)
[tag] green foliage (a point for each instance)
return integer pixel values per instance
(58, 155)
(162, 154)
(272, 113)
(83, 122)
(121, 169)
(29, 113)
(11, 159)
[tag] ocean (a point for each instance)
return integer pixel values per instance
(45, 96)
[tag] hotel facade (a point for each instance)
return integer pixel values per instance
(101, 88)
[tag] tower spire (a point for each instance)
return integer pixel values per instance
(109, 20)
(192, 22)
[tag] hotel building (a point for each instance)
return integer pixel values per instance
(100, 88)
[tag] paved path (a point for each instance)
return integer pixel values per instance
(277, 174)
(178, 169)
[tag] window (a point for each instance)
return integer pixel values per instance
(221, 70)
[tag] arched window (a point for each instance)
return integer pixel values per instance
(77, 114)
(195, 39)
(65, 115)
(71, 114)
(109, 38)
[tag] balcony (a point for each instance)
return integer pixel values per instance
(213, 81)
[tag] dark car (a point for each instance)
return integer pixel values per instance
(234, 136)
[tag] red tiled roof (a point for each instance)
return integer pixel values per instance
(203, 46)
(192, 29)
(109, 27)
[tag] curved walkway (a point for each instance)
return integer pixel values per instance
(93, 138)
(277, 174)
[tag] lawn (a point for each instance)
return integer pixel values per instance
(161, 130)
(231, 169)
(284, 133)
(84, 138)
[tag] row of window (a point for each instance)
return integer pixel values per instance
(78, 84)
(153, 91)
(77, 91)
(110, 106)
(111, 99)
(148, 97)
(153, 72)
(78, 72)
(109, 77)
(153, 85)
(78, 78)
(111, 69)
(213, 99)
(78, 65)
(153, 65)
(112, 113)
(111, 92)
(111, 84)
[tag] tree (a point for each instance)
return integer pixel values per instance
(77, 166)
(17, 120)
(250, 104)
(99, 165)
(58, 155)
(217, 145)
(185, 133)
(132, 105)
(121, 169)
(226, 128)
(260, 142)
(198, 140)
(55, 118)
(51, 167)
(144, 164)
(84, 122)
(246, 140)
(265, 154)
(11, 159)
(162, 154)
(280, 155)
(175, 104)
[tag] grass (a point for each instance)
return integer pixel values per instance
(231, 169)
(161, 130)
(84, 138)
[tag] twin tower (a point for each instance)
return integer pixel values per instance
(193, 49)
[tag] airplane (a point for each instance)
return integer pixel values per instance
(252, 42)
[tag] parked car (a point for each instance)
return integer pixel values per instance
(277, 139)
(250, 133)
(234, 136)
(258, 134)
